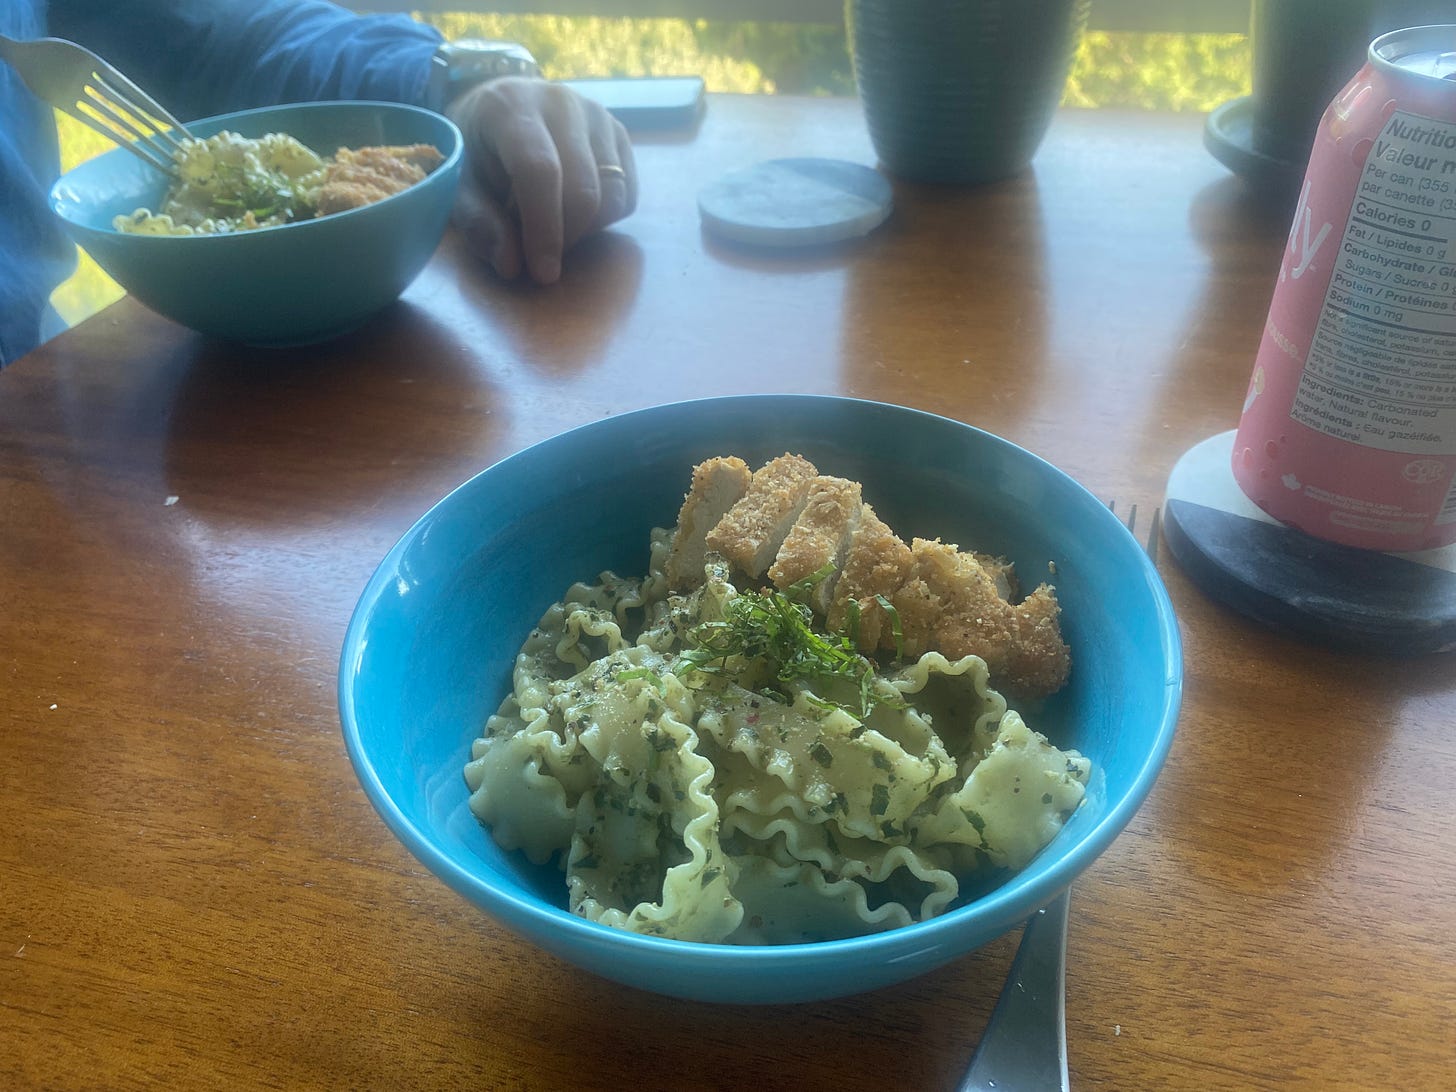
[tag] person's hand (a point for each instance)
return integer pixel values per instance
(543, 168)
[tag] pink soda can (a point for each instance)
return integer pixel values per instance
(1348, 429)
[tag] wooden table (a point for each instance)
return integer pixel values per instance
(196, 892)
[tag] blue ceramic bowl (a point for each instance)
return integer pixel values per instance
(286, 285)
(428, 656)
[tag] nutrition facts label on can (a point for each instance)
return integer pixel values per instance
(1381, 369)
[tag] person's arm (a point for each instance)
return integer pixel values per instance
(205, 57)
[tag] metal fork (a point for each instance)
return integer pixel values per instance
(72, 78)
(1024, 1046)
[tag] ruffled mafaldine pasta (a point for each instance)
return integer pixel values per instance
(695, 781)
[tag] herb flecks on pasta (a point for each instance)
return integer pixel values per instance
(775, 630)
(712, 764)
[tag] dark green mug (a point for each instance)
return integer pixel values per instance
(1304, 51)
(961, 91)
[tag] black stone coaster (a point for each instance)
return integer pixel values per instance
(1294, 583)
(1228, 134)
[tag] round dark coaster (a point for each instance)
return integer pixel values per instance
(1361, 600)
(1228, 134)
(796, 202)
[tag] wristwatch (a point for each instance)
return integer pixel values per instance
(459, 65)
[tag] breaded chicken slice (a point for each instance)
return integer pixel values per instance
(750, 533)
(1002, 572)
(424, 156)
(718, 484)
(819, 538)
(361, 176)
(952, 604)
(790, 522)
(876, 563)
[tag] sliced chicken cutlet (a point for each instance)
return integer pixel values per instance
(876, 563)
(819, 538)
(787, 521)
(952, 604)
(718, 484)
(750, 533)
(361, 176)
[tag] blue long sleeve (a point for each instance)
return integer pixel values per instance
(204, 57)
(34, 254)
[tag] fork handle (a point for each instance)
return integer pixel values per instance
(1024, 1046)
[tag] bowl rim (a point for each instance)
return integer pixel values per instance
(448, 165)
(1021, 895)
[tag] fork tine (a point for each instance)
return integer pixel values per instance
(137, 148)
(121, 88)
(143, 115)
(1155, 528)
(156, 122)
(169, 141)
(148, 131)
(129, 123)
(119, 100)
(125, 124)
(1131, 522)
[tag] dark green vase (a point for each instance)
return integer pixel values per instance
(961, 91)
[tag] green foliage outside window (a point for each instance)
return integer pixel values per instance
(1143, 71)
(1186, 72)
(1192, 72)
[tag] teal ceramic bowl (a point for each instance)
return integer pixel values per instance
(287, 285)
(428, 655)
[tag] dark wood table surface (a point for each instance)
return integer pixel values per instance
(195, 892)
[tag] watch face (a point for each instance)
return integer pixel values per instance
(461, 64)
(487, 55)
(490, 45)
